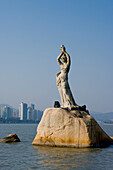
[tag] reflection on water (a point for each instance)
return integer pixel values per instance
(65, 157)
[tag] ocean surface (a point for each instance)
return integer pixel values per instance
(23, 155)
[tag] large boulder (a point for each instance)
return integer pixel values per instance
(10, 138)
(60, 127)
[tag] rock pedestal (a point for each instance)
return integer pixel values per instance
(60, 127)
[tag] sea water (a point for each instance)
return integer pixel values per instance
(24, 155)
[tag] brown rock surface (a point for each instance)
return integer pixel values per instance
(60, 127)
(10, 138)
(111, 137)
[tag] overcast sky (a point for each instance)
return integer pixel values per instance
(31, 32)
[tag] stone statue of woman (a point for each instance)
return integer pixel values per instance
(62, 79)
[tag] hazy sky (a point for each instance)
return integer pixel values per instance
(31, 32)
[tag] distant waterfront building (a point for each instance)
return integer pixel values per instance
(39, 115)
(15, 114)
(34, 115)
(23, 111)
(29, 113)
(33, 106)
(3, 113)
(6, 112)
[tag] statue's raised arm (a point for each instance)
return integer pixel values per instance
(59, 59)
(68, 58)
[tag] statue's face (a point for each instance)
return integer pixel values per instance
(64, 59)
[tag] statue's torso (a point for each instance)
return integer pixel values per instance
(64, 72)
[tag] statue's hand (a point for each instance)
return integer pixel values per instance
(62, 49)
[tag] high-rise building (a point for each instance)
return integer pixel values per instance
(29, 113)
(23, 111)
(34, 114)
(6, 112)
(32, 106)
(3, 113)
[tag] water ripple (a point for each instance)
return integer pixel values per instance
(25, 156)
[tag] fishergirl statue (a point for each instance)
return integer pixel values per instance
(62, 80)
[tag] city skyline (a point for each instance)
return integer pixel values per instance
(24, 112)
(31, 35)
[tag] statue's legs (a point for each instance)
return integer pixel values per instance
(61, 94)
(67, 95)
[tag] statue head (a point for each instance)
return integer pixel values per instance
(63, 58)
